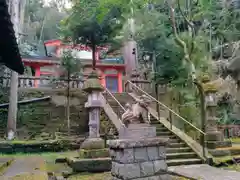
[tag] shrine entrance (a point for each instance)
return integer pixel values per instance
(112, 83)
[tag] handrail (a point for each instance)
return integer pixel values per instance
(106, 90)
(27, 101)
(167, 108)
(115, 99)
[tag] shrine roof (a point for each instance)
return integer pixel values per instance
(39, 59)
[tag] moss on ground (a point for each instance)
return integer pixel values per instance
(235, 167)
(47, 156)
(90, 176)
(224, 159)
(101, 176)
(235, 140)
(94, 153)
(30, 177)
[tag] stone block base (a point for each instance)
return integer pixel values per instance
(93, 143)
(93, 153)
(139, 159)
(137, 131)
(214, 136)
(218, 144)
(90, 165)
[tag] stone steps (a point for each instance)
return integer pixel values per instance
(162, 133)
(175, 150)
(178, 153)
(179, 162)
(177, 145)
(162, 129)
(181, 155)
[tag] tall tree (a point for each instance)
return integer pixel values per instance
(70, 68)
(42, 21)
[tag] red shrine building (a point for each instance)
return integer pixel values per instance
(110, 68)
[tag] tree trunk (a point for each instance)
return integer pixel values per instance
(13, 96)
(94, 56)
(68, 104)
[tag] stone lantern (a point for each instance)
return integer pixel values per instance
(94, 88)
(213, 137)
(212, 133)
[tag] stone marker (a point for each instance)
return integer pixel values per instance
(138, 154)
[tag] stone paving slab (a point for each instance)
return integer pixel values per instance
(205, 172)
(26, 166)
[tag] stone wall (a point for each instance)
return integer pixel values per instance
(48, 117)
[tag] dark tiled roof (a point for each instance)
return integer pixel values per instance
(9, 52)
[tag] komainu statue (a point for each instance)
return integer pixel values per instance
(136, 113)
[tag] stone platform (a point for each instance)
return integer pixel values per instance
(139, 159)
(137, 131)
(205, 172)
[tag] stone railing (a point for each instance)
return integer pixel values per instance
(230, 131)
(41, 82)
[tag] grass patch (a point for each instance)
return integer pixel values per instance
(224, 158)
(235, 167)
(30, 177)
(235, 140)
(47, 155)
(88, 176)
(103, 176)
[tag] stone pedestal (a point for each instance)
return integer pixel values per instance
(137, 131)
(138, 154)
(142, 159)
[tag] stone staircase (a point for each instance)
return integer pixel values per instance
(123, 98)
(178, 153)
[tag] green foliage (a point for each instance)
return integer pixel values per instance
(91, 25)
(70, 65)
(41, 22)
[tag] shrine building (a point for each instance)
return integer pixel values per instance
(110, 68)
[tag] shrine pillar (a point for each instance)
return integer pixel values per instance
(120, 82)
(103, 79)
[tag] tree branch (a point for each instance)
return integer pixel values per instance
(190, 24)
(180, 42)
